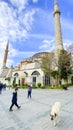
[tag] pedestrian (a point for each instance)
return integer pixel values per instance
(29, 91)
(4, 86)
(14, 99)
(1, 86)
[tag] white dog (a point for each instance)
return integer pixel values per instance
(55, 113)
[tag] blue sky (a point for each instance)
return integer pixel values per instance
(29, 27)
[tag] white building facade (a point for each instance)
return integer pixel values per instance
(30, 73)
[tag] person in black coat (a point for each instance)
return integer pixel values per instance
(1, 86)
(14, 99)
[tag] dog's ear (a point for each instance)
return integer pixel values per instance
(55, 114)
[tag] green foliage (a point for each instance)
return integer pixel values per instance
(57, 87)
(13, 84)
(46, 63)
(23, 87)
(8, 78)
(55, 74)
(19, 82)
(64, 64)
(39, 85)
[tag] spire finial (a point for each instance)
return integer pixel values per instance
(7, 45)
(8, 42)
(55, 1)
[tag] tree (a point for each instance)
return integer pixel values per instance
(46, 63)
(60, 69)
(64, 65)
(70, 50)
(8, 79)
(55, 75)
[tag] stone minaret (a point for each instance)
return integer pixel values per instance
(58, 33)
(5, 55)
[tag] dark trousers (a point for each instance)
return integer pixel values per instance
(13, 105)
(29, 94)
(0, 91)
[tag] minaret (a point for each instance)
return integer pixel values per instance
(5, 55)
(58, 33)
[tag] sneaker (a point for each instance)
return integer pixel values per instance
(10, 110)
(19, 107)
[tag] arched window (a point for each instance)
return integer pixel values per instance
(16, 75)
(26, 74)
(35, 73)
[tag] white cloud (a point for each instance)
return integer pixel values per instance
(16, 20)
(12, 25)
(48, 45)
(19, 4)
(13, 54)
(9, 26)
(35, 1)
(28, 19)
(67, 43)
(38, 36)
(48, 41)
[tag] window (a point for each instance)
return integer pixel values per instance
(16, 74)
(47, 80)
(36, 73)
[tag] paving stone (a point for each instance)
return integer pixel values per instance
(34, 113)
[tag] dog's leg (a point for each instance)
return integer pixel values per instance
(58, 119)
(55, 121)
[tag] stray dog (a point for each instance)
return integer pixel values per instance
(55, 113)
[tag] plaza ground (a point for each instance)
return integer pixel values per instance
(35, 113)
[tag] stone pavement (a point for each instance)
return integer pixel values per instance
(35, 113)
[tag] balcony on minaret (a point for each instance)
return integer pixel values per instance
(56, 8)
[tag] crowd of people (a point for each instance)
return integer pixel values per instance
(14, 94)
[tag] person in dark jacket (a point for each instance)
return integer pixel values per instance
(29, 91)
(1, 86)
(14, 99)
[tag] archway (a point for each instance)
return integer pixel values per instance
(23, 79)
(35, 74)
(26, 74)
(16, 75)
